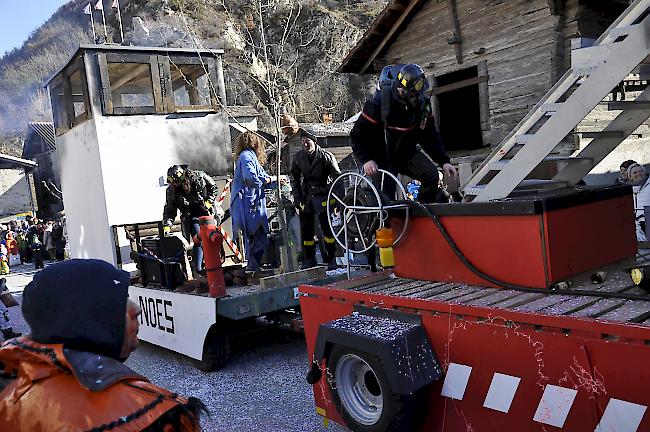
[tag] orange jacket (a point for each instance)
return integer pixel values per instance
(12, 244)
(64, 390)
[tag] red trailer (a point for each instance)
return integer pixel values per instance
(468, 333)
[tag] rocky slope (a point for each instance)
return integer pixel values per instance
(305, 40)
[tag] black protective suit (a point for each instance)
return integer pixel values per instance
(311, 176)
(395, 146)
(192, 204)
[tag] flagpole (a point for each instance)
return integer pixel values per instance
(92, 21)
(119, 19)
(104, 21)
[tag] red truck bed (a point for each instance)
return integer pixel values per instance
(512, 361)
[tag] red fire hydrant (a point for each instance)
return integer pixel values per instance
(211, 240)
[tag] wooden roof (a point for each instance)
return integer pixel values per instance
(378, 36)
(42, 130)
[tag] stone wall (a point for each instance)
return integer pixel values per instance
(14, 192)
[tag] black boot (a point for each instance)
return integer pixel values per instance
(308, 255)
(330, 246)
(9, 333)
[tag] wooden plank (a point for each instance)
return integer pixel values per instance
(398, 289)
(457, 85)
(415, 290)
(427, 294)
(484, 97)
(630, 311)
(571, 305)
(475, 295)
(292, 278)
(499, 296)
(542, 303)
(519, 300)
(360, 282)
(374, 286)
(599, 308)
(390, 34)
(458, 291)
(107, 97)
(392, 286)
(156, 84)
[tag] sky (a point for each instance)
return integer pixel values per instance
(20, 17)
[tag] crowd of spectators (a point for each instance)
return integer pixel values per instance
(31, 240)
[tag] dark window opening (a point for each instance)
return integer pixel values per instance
(459, 110)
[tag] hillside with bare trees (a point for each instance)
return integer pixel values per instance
(278, 52)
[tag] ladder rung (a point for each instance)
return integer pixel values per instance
(603, 134)
(620, 31)
(551, 107)
(628, 105)
(523, 139)
(498, 165)
(567, 159)
(584, 71)
(474, 190)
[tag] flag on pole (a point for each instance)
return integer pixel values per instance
(99, 5)
(87, 9)
(115, 4)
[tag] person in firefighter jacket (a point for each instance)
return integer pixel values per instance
(312, 172)
(192, 193)
(396, 126)
(68, 374)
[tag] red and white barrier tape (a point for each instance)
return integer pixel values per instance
(231, 244)
(226, 189)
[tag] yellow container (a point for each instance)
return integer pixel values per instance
(386, 257)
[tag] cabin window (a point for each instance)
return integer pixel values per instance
(460, 102)
(191, 86)
(131, 86)
(59, 114)
(80, 104)
(69, 97)
(189, 83)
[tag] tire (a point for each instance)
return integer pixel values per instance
(216, 350)
(370, 405)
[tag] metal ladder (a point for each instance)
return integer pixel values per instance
(623, 47)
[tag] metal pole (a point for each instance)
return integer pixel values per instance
(347, 244)
(119, 20)
(104, 22)
(92, 23)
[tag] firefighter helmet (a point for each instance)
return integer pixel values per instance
(175, 174)
(411, 77)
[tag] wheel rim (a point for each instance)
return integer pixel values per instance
(359, 390)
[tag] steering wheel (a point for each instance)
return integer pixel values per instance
(362, 208)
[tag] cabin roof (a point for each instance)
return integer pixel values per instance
(136, 50)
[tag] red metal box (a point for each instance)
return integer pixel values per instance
(529, 241)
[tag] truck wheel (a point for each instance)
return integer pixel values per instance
(360, 388)
(216, 350)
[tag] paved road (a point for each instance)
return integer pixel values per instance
(261, 389)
